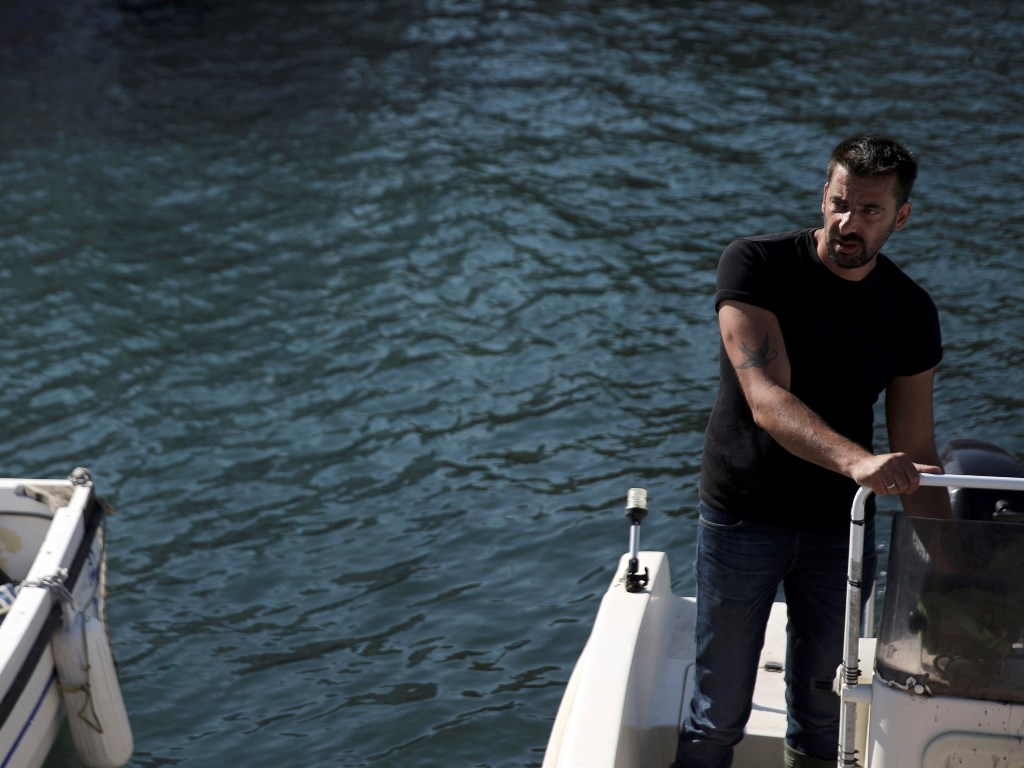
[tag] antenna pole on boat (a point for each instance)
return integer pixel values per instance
(636, 511)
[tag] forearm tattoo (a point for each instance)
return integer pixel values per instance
(758, 358)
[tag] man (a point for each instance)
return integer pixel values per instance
(815, 325)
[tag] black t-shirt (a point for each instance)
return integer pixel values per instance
(845, 339)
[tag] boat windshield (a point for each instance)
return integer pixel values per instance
(953, 619)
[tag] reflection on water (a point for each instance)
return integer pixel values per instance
(365, 316)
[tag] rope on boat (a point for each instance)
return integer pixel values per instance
(70, 613)
(56, 584)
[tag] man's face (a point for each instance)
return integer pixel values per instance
(860, 214)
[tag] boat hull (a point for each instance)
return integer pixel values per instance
(625, 699)
(945, 686)
(38, 543)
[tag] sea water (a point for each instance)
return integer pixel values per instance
(365, 316)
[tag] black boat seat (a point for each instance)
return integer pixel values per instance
(977, 457)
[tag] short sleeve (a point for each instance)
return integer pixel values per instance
(744, 274)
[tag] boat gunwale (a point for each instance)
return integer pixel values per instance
(90, 514)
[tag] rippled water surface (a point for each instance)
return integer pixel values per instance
(365, 315)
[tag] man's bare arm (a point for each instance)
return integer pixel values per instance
(756, 349)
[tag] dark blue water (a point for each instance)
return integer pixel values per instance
(365, 315)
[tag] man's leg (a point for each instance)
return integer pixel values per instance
(816, 599)
(794, 759)
(738, 570)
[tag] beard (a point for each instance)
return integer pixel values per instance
(863, 255)
(848, 259)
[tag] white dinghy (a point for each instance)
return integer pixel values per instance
(946, 686)
(55, 656)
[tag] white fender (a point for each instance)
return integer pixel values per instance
(96, 713)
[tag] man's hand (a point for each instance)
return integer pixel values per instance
(891, 474)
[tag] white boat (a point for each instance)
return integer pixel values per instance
(55, 659)
(947, 684)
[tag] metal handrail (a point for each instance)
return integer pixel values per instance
(851, 663)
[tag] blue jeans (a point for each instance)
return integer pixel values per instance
(739, 568)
